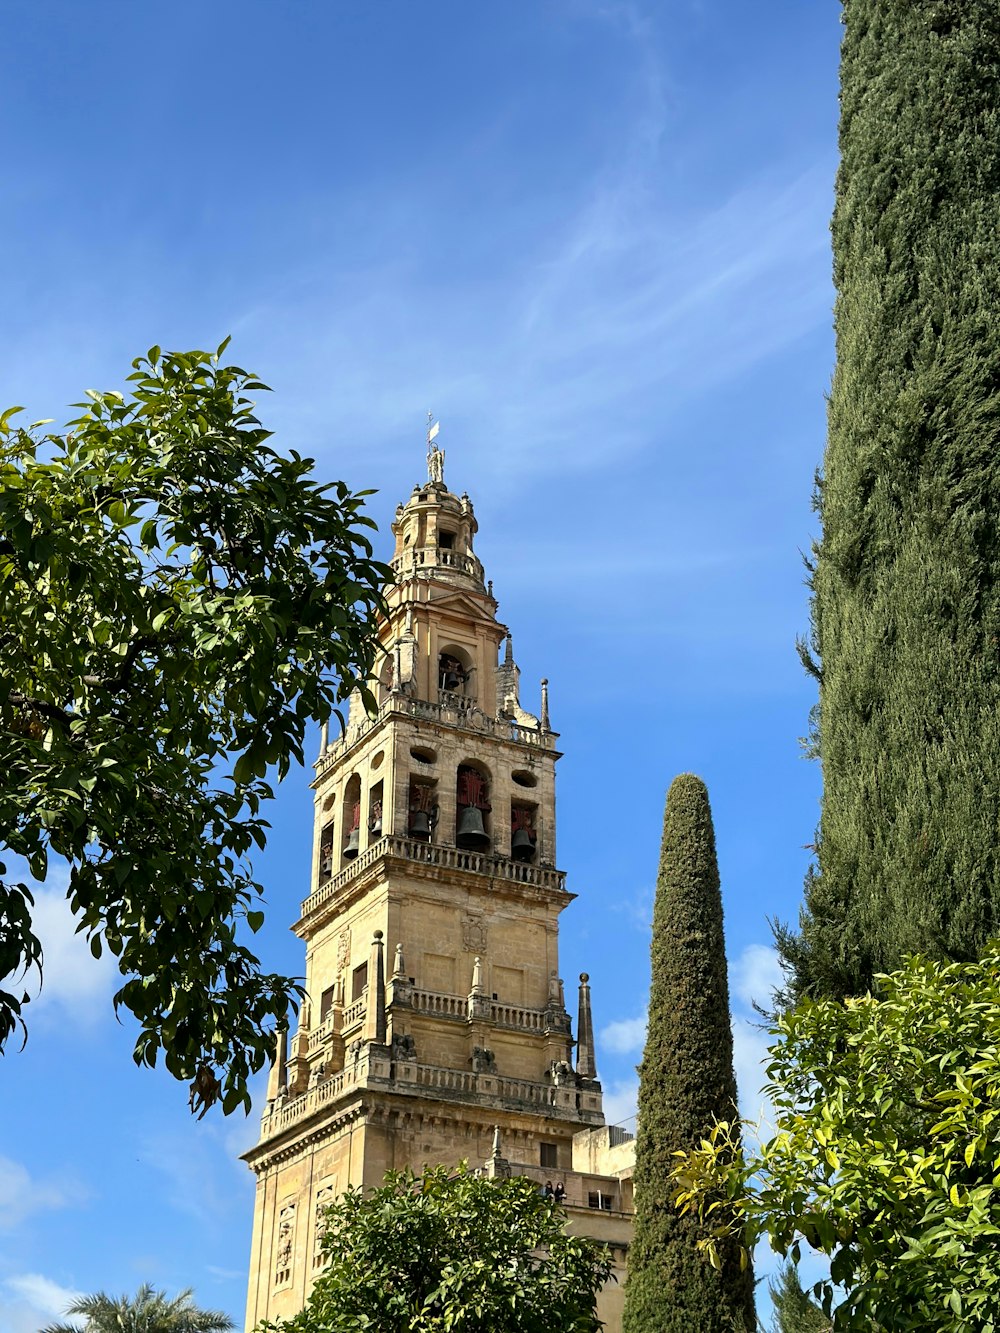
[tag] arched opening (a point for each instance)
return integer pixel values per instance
(523, 831)
(375, 813)
(456, 676)
(351, 822)
(422, 813)
(472, 808)
(326, 851)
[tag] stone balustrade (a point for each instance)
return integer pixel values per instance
(450, 710)
(404, 1075)
(446, 858)
(427, 557)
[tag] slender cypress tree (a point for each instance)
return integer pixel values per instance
(686, 1082)
(794, 1309)
(906, 583)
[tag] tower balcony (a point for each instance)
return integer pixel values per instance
(450, 710)
(427, 558)
(374, 1067)
(435, 857)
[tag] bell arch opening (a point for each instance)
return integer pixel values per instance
(472, 807)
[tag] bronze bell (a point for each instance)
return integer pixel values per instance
(375, 825)
(420, 825)
(472, 836)
(522, 847)
(452, 680)
(351, 850)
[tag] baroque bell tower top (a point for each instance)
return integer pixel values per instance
(434, 530)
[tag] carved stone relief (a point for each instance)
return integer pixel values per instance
(324, 1197)
(474, 934)
(284, 1245)
(343, 949)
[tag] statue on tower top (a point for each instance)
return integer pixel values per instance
(435, 456)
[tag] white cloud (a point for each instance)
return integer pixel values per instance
(21, 1194)
(620, 1102)
(755, 975)
(749, 1054)
(33, 1297)
(625, 1035)
(75, 986)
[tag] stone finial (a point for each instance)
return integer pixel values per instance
(324, 739)
(398, 966)
(508, 651)
(374, 1029)
(497, 1152)
(545, 705)
(477, 977)
(585, 1065)
(277, 1080)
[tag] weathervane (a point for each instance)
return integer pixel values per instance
(435, 456)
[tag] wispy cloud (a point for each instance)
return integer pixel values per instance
(753, 975)
(22, 1194)
(32, 1299)
(626, 1036)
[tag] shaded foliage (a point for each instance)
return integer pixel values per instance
(686, 1083)
(906, 601)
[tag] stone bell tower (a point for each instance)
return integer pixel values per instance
(436, 1028)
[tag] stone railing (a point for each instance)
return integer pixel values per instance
(517, 1016)
(429, 556)
(450, 710)
(440, 1004)
(446, 858)
(444, 1005)
(402, 1074)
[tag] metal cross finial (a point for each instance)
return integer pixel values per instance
(435, 456)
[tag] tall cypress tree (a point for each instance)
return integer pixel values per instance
(686, 1082)
(906, 599)
(794, 1309)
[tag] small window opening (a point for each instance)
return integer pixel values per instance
(446, 540)
(359, 980)
(548, 1154)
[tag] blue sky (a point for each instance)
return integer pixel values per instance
(592, 238)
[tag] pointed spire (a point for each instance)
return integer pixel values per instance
(277, 1080)
(374, 1029)
(398, 966)
(545, 705)
(585, 1066)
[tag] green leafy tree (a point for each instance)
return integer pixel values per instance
(906, 605)
(794, 1309)
(686, 1084)
(886, 1155)
(148, 1311)
(453, 1250)
(177, 602)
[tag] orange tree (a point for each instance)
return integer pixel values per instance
(178, 601)
(452, 1251)
(886, 1155)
